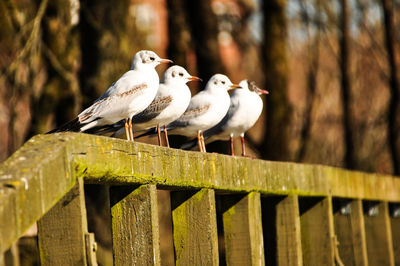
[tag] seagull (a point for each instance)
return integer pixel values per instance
(172, 99)
(129, 95)
(206, 109)
(245, 109)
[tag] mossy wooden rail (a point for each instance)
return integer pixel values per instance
(273, 213)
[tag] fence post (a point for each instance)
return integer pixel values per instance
(134, 219)
(195, 227)
(378, 233)
(349, 228)
(63, 229)
(242, 222)
(317, 235)
(281, 228)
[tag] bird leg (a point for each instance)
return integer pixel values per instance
(166, 136)
(159, 135)
(202, 141)
(127, 130)
(232, 152)
(199, 141)
(130, 129)
(243, 146)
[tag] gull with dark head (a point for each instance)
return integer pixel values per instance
(126, 97)
(206, 109)
(244, 110)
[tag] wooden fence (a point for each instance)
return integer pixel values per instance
(273, 213)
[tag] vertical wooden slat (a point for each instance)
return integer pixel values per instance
(378, 234)
(395, 225)
(195, 227)
(349, 229)
(316, 221)
(242, 222)
(281, 227)
(135, 229)
(61, 231)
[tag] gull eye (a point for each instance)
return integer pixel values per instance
(223, 82)
(181, 74)
(152, 58)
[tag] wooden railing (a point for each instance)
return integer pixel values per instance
(273, 213)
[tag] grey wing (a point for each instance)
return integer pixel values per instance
(222, 125)
(189, 115)
(153, 110)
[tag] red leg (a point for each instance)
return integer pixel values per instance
(127, 130)
(232, 151)
(166, 136)
(202, 142)
(199, 141)
(159, 135)
(130, 129)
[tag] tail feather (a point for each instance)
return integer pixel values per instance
(73, 126)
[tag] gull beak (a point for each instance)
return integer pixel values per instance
(165, 60)
(260, 91)
(194, 78)
(234, 86)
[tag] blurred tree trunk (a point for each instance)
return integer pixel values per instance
(312, 72)
(275, 145)
(344, 61)
(394, 110)
(178, 32)
(61, 52)
(204, 33)
(109, 41)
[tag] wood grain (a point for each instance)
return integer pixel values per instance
(378, 234)
(317, 236)
(242, 224)
(349, 229)
(195, 227)
(61, 231)
(135, 232)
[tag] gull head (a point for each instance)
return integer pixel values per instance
(147, 59)
(177, 74)
(251, 86)
(221, 82)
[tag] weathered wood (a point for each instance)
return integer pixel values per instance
(317, 235)
(395, 225)
(135, 225)
(378, 234)
(105, 160)
(31, 182)
(62, 230)
(349, 229)
(242, 223)
(195, 227)
(282, 236)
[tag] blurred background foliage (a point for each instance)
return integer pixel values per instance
(331, 66)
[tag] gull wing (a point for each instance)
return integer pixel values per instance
(153, 110)
(111, 105)
(199, 105)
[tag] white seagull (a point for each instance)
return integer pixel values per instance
(206, 109)
(245, 109)
(172, 99)
(129, 95)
